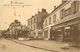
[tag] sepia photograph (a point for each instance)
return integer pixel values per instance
(39, 25)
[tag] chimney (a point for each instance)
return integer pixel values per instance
(35, 14)
(38, 12)
(63, 1)
(32, 16)
(54, 7)
(43, 10)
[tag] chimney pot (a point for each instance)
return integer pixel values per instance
(54, 7)
(43, 10)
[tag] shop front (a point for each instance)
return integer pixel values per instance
(75, 34)
(67, 34)
(46, 34)
(56, 33)
(40, 35)
(67, 31)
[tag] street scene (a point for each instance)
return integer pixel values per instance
(40, 26)
(16, 47)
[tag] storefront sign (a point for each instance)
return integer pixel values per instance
(67, 27)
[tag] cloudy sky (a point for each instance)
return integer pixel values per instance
(23, 13)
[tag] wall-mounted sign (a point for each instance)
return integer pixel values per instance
(68, 27)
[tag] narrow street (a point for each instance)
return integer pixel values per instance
(9, 46)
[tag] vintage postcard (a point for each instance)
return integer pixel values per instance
(39, 25)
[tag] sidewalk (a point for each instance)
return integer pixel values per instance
(49, 45)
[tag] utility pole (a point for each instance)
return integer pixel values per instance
(15, 4)
(13, 9)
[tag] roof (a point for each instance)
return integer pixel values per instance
(57, 8)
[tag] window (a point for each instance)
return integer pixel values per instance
(34, 26)
(62, 14)
(49, 20)
(46, 34)
(31, 21)
(67, 11)
(79, 27)
(54, 18)
(46, 22)
(28, 22)
(31, 27)
(74, 7)
(79, 6)
(35, 19)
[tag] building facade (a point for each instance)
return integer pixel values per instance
(16, 30)
(35, 23)
(13, 28)
(63, 23)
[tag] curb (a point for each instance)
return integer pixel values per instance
(36, 47)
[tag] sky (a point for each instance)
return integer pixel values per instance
(23, 13)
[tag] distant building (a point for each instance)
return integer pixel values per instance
(16, 29)
(13, 28)
(63, 23)
(35, 23)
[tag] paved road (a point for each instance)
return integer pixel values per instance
(10, 46)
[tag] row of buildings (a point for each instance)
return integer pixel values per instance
(35, 23)
(62, 24)
(16, 30)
